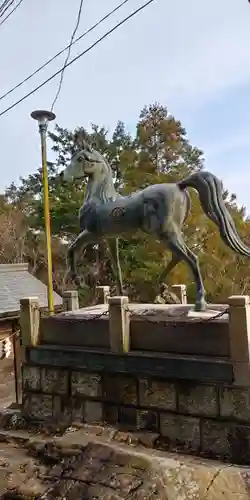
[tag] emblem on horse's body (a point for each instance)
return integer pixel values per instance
(117, 212)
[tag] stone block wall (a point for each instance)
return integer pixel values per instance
(196, 403)
(213, 420)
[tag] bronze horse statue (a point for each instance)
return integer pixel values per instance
(160, 209)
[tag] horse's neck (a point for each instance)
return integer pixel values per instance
(100, 190)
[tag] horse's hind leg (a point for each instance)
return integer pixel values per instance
(113, 246)
(173, 262)
(176, 244)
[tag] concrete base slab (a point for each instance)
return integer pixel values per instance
(183, 312)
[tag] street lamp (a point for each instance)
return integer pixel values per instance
(43, 117)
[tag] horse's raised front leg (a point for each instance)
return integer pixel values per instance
(176, 244)
(82, 240)
(113, 246)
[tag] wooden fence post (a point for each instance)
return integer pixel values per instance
(119, 324)
(239, 337)
(29, 321)
(180, 292)
(103, 293)
(70, 300)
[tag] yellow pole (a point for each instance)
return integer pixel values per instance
(47, 222)
(43, 117)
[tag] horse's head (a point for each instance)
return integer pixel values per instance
(84, 163)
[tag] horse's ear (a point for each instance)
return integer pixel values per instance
(85, 154)
(80, 141)
(86, 146)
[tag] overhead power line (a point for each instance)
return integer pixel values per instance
(77, 57)
(65, 48)
(11, 12)
(5, 6)
(68, 54)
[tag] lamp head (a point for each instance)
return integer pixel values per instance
(43, 116)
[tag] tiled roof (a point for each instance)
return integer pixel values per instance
(15, 283)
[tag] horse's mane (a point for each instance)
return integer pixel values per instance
(106, 191)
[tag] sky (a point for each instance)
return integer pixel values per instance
(191, 56)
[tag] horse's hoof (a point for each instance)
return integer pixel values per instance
(200, 306)
(72, 275)
(79, 282)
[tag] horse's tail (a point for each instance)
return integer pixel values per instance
(209, 188)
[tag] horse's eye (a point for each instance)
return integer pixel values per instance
(79, 159)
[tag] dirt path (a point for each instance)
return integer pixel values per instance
(91, 472)
(88, 464)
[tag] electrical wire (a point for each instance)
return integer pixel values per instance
(3, 5)
(6, 8)
(77, 57)
(11, 12)
(65, 48)
(68, 54)
(5, 2)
